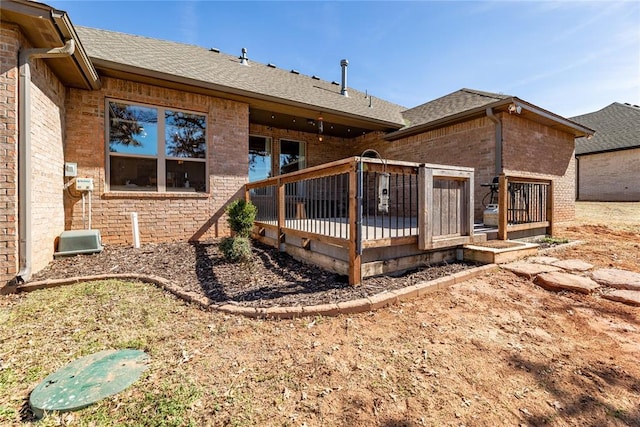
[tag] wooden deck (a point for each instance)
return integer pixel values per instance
(362, 216)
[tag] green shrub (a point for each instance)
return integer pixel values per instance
(236, 249)
(241, 216)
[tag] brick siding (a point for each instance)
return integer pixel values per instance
(468, 144)
(47, 123)
(611, 177)
(162, 216)
(9, 46)
(529, 149)
(533, 149)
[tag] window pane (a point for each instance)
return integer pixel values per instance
(186, 176)
(129, 173)
(291, 156)
(185, 134)
(259, 158)
(133, 129)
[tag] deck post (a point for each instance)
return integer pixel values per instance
(503, 206)
(551, 228)
(281, 215)
(471, 207)
(425, 202)
(355, 261)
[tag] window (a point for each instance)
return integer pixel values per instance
(260, 159)
(156, 149)
(292, 156)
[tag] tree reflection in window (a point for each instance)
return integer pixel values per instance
(129, 126)
(185, 134)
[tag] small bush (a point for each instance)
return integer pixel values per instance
(236, 249)
(242, 214)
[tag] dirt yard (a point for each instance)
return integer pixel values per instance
(496, 350)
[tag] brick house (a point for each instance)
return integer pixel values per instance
(173, 132)
(608, 164)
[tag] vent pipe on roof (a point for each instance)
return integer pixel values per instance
(343, 90)
(244, 59)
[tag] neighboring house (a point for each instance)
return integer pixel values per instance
(608, 163)
(173, 132)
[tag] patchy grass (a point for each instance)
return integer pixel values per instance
(553, 240)
(491, 351)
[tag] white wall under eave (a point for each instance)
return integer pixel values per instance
(610, 177)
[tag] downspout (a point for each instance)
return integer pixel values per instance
(24, 151)
(498, 123)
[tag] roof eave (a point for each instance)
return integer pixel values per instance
(576, 129)
(80, 55)
(235, 93)
(53, 25)
(458, 117)
(608, 150)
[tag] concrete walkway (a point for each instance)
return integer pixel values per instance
(578, 276)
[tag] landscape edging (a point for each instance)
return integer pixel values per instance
(374, 302)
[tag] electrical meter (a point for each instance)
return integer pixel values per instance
(84, 184)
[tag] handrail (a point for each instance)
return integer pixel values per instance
(524, 203)
(359, 203)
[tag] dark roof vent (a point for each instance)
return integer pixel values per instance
(295, 72)
(270, 65)
(214, 50)
(244, 59)
(315, 77)
(335, 83)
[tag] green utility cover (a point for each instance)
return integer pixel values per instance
(87, 380)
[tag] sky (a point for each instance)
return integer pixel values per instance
(569, 57)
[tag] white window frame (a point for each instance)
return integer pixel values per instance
(161, 158)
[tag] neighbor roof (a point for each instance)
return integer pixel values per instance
(199, 66)
(617, 127)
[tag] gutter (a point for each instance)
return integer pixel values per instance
(24, 150)
(498, 149)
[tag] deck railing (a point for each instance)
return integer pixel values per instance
(361, 203)
(524, 204)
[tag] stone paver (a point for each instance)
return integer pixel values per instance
(624, 296)
(560, 281)
(529, 269)
(547, 260)
(620, 279)
(573, 265)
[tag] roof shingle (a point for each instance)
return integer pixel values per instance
(617, 127)
(226, 72)
(449, 105)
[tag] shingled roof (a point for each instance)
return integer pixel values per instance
(617, 127)
(203, 67)
(449, 105)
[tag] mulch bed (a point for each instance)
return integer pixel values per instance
(271, 279)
